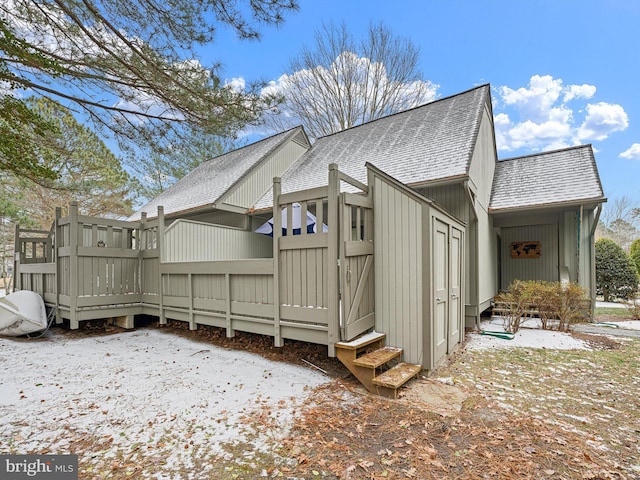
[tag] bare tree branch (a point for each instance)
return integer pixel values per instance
(341, 83)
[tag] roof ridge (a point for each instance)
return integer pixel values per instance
(407, 110)
(546, 152)
(252, 144)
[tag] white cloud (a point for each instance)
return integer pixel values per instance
(632, 153)
(538, 117)
(237, 85)
(536, 100)
(579, 91)
(602, 120)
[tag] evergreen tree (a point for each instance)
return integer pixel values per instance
(634, 253)
(130, 67)
(616, 275)
(87, 171)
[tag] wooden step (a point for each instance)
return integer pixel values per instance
(387, 384)
(397, 376)
(361, 342)
(378, 357)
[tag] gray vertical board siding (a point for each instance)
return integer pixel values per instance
(587, 252)
(211, 287)
(302, 282)
(254, 186)
(487, 275)
(151, 276)
(569, 243)
(398, 268)
(220, 217)
(483, 161)
(252, 288)
(453, 198)
(64, 272)
(188, 241)
(543, 268)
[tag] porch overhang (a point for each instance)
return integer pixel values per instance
(589, 203)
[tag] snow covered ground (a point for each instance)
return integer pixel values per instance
(532, 336)
(141, 395)
(629, 324)
(526, 337)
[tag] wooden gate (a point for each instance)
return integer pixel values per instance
(356, 265)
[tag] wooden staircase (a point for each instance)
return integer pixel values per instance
(368, 359)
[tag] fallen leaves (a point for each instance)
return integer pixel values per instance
(366, 437)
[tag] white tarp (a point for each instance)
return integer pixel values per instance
(267, 227)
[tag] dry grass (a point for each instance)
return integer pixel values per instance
(530, 414)
(595, 394)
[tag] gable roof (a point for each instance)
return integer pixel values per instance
(211, 180)
(430, 142)
(560, 177)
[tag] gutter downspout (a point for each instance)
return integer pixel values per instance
(596, 219)
(476, 262)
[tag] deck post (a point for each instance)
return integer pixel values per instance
(332, 254)
(73, 266)
(142, 245)
(17, 280)
(56, 280)
(160, 242)
(227, 288)
(192, 318)
(278, 341)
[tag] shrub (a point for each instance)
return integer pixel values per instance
(633, 308)
(557, 306)
(616, 276)
(515, 301)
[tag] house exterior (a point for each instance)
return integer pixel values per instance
(555, 198)
(422, 224)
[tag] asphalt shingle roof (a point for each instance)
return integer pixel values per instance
(430, 142)
(546, 179)
(210, 180)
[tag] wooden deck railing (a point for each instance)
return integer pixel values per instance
(91, 268)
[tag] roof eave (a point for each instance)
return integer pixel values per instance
(595, 201)
(440, 182)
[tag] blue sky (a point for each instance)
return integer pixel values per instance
(561, 72)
